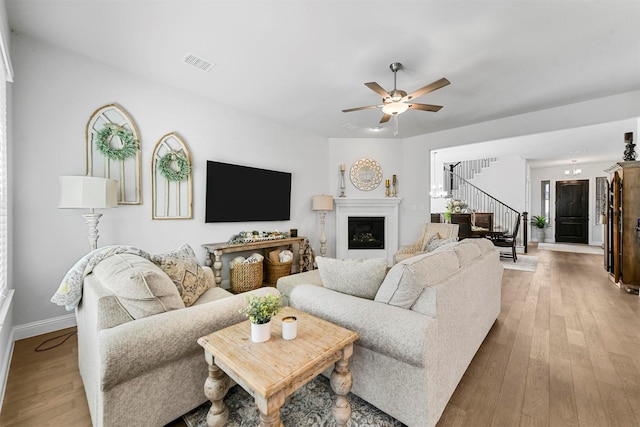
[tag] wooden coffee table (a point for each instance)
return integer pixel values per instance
(272, 370)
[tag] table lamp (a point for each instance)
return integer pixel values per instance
(88, 192)
(323, 204)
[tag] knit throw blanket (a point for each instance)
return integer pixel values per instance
(69, 292)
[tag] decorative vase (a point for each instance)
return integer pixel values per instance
(540, 235)
(260, 332)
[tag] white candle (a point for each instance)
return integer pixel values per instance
(342, 168)
(289, 327)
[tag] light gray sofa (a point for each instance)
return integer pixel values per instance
(150, 370)
(419, 334)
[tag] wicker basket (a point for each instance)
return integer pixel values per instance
(275, 270)
(245, 277)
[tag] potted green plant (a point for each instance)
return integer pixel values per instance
(260, 311)
(540, 223)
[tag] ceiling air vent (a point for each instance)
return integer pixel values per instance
(199, 63)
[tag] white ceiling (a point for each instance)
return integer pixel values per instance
(301, 62)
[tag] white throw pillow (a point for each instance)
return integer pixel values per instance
(140, 286)
(407, 279)
(357, 277)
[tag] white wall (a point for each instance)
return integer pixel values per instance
(416, 150)
(505, 180)
(389, 153)
(55, 93)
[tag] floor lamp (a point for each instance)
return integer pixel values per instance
(88, 192)
(323, 204)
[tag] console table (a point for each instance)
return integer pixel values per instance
(216, 250)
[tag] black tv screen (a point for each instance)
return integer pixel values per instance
(238, 193)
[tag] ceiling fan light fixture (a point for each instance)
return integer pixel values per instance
(395, 108)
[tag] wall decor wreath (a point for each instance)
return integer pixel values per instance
(182, 164)
(103, 142)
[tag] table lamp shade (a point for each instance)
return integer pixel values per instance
(78, 192)
(322, 203)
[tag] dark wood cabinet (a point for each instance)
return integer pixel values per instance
(622, 247)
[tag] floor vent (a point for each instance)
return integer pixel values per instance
(199, 63)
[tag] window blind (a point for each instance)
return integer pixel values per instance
(3, 187)
(6, 75)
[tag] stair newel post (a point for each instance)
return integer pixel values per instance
(525, 230)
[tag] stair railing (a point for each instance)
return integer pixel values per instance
(477, 200)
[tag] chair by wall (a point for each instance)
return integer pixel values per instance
(445, 231)
(509, 241)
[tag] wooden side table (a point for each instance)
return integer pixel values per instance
(272, 370)
(216, 250)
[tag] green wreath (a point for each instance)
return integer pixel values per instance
(184, 168)
(129, 144)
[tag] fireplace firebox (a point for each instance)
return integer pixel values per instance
(366, 232)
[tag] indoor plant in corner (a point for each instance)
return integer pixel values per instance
(540, 223)
(260, 311)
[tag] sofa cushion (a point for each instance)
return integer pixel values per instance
(467, 250)
(182, 266)
(406, 280)
(357, 277)
(140, 286)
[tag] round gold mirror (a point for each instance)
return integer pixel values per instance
(366, 174)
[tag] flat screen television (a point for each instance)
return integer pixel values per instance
(238, 193)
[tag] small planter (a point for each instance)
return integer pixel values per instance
(260, 332)
(540, 235)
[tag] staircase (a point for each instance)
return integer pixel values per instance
(467, 169)
(457, 185)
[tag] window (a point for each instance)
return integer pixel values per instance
(544, 200)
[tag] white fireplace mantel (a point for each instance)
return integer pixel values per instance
(386, 207)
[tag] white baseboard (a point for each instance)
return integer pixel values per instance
(44, 326)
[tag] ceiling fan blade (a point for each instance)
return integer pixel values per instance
(385, 118)
(425, 107)
(428, 88)
(368, 107)
(378, 89)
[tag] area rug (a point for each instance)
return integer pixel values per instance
(524, 263)
(309, 406)
(567, 247)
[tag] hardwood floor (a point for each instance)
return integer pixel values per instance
(565, 351)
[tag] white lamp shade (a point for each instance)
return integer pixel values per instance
(394, 108)
(322, 202)
(87, 192)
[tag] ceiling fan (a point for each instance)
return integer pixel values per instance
(397, 101)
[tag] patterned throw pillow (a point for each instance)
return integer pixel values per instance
(429, 240)
(182, 266)
(435, 244)
(357, 277)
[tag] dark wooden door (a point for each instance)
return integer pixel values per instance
(572, 211)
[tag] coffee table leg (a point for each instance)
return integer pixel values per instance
(215, 388)
(270, 410)
(341, 384)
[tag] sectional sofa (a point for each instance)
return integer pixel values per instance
(419, 328)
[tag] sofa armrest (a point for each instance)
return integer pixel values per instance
(138, 346)
(396, 332)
